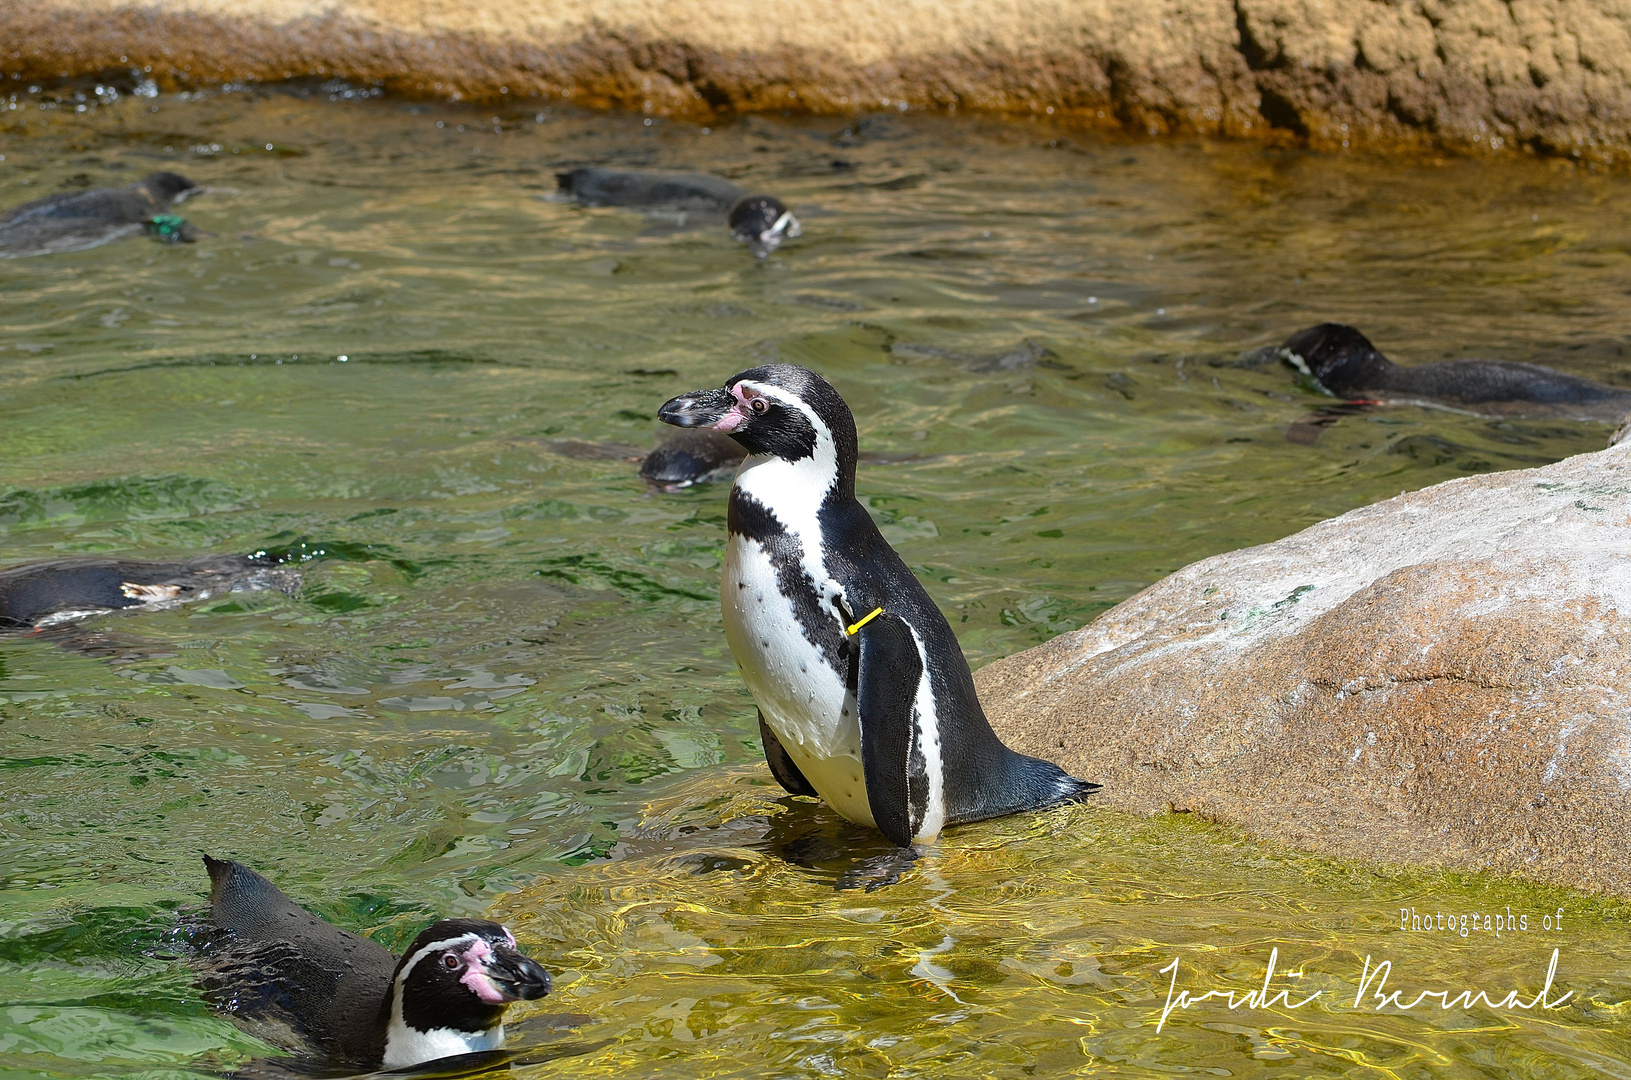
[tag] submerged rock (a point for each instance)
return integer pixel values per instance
(1439, 679)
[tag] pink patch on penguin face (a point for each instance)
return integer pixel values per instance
(475, 974)
(739, 413)
(730, 421)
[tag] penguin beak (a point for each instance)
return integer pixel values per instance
(715, 409)
(785, 227)
(517, 977)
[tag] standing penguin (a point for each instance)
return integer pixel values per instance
(864, 697)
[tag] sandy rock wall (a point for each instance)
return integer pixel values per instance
(1496, 75)
(1443, 678)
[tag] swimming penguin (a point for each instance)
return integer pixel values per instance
(690, 456)
(1346, 365)
(86, 219)
(36, 595)
(760, 221)
(864, 696)
(279, 966)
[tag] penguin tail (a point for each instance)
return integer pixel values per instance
(1049, 785)
(1074, 789)
(225, 874)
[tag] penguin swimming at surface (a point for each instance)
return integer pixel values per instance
(42, 594)
(281, 968)
(864, 696)
(760, 221)
(1346, 365)
(86, 219)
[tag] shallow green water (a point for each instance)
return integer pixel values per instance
(510, 690)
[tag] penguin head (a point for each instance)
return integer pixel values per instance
(166, 188)
(778, 410)
(451, 988)
(762, 222)
(1338, 357)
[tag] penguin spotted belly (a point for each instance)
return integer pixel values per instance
(802, 697)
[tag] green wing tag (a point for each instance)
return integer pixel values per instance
(170, 227)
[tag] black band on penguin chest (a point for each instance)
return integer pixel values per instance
(752, 520)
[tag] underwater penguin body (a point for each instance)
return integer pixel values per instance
(281, 968)
(690, 456)
(872, 710)
(86, 219)
(1345, 364)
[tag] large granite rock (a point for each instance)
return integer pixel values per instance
(1443, 678)
(1547, 75)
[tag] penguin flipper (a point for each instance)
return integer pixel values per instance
(891, 667)
(781, 765)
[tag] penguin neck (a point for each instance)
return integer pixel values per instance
(418, 1029)
(794, 490)
(407, 1046)
(1360, 370)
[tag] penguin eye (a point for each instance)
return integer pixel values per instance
(450, 960)
(759, 405)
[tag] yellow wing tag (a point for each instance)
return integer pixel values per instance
(855, 628)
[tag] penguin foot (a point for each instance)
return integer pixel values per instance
(878, 871)
(1307, 431)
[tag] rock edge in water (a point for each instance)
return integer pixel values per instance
(1552, 77)
(1443, 679)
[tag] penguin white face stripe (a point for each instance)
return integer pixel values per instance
(793, 492)
(446, 945)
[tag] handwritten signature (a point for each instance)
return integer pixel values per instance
(1263, 998)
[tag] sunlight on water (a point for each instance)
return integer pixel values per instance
(504, 684)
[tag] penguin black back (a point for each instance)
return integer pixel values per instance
(286, 965)
(618, 187)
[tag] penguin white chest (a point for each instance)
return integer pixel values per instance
(792, 679)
